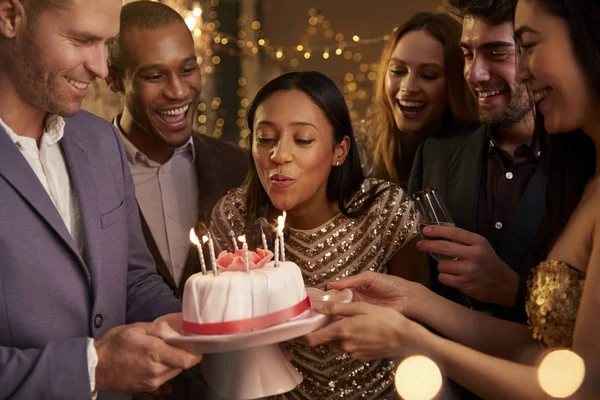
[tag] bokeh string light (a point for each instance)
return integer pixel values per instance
(250, 42)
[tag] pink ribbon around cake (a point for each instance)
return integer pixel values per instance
(248, 324)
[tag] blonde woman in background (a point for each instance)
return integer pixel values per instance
(420, 92)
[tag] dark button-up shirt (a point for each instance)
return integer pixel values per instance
(503, 182)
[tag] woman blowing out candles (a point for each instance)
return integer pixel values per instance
(338, 223)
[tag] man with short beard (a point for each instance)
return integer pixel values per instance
(75, 268)
(489, 176)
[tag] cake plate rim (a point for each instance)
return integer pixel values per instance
(307, 322)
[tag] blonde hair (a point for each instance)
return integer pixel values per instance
(384, 138)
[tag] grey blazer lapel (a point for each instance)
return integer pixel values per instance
(17, 171)
(85, 190)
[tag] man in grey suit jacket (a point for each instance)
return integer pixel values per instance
(74, 266)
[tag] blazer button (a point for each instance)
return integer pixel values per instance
(98, 320)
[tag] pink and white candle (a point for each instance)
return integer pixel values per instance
(211, 251)
(264, 239)
(235, 245)
(276, 252)
(245, 250)
(280, 226)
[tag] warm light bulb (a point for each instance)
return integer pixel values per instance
(299, 47)
(356, 38)
(307, 55)
(418, 378)
(561, 373)
(338, 52)
(197, 12)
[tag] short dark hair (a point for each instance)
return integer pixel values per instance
(143, 14)
(33, 8)
(492, 12)
(345, 180)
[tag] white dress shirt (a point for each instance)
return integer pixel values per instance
(168, 198)
(49, 165)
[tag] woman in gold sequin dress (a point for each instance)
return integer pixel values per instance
(304, 161)
(560, 60)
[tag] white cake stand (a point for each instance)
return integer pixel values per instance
(251, 365)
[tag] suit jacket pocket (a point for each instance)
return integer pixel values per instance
(114, 216)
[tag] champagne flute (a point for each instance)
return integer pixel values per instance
(433, 211)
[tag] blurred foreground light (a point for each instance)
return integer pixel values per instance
(561, 373)
(418, 378)
(197, 12)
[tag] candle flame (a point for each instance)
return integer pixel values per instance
(242, 238)
(281, 222)
(204, 239)
(193, 237)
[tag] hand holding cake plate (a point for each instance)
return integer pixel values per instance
(236, 316)
(305, 323)
(251, 365)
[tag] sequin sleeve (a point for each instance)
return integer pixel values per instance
(399, 220)
(555, 291)
(228, 215)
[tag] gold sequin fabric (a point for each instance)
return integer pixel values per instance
(339, 248)
(554, 295)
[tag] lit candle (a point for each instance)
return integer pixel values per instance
(211, 251)
(264, 239)
(276, 252)
(280, 225)
(232, 236)
(194, 239)
(245, 249)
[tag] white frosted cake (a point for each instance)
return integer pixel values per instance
(240, 301)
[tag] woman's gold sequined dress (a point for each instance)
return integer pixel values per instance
(554, 295)
(339, 248)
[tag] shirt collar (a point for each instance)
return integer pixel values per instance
(54, 130)
(532, 146)
(135, 156)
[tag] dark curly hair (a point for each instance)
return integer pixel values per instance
(492, 12)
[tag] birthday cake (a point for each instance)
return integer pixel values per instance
(242, 297)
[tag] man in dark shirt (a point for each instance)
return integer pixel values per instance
(179, 176)
(489, 176)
